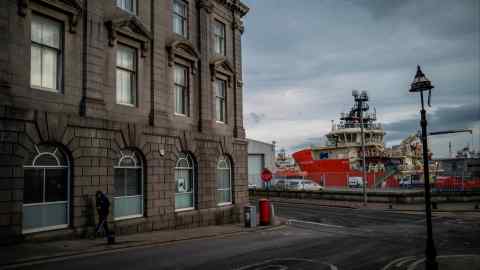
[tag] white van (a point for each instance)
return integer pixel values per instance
(355, 182)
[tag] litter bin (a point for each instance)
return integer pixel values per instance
(250, 216)
(264, 206)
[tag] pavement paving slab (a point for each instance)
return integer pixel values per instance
(25, 253)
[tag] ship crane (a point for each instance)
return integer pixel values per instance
(464, 130)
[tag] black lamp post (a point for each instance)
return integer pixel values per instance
(420, 84)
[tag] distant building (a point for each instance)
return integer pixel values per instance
(462, 167)
(260, 155)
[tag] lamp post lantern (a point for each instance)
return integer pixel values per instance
(420, 84)
(361, 106)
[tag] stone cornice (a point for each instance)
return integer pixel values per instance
(138, 29)
(71, 7)
(235, 5)
(205, 4)
(222, 65)
(184, 49)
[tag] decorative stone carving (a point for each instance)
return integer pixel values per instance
(235, 5)
(205, 4)
(137, 29)
(238, 25)
(184, 49)
(72, 8)
(221, 64)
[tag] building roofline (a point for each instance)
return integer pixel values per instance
(257, 141)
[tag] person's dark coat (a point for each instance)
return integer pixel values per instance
(102, 204)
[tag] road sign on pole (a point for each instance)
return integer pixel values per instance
(266, 175)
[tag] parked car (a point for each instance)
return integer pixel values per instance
(311, 186)
(296, 184)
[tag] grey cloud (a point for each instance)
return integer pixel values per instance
(327, 48)
(466, 116)
(255, 118)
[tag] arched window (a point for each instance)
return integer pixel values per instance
(184, 183)
(46, 191)
(128, 183)
(224, 181)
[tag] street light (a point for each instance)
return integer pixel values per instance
(361, 105)
(421, 83)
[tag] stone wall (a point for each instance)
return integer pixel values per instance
(86, 124)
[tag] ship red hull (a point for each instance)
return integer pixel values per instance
(334, 172)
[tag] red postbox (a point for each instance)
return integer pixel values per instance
(264, 206)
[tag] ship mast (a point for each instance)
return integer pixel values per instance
(360, 107)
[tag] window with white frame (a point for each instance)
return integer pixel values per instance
(224, 181)
(126, 75)
(184, 183)
(219, 37)
(128, 184)
(220, 98)
(181, 90)
(45, 53)
(128, 5)
(46, 191)
(180, 18)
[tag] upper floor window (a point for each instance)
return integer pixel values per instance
(180, 17)
(128, 5)
(126, 75)
(45, 53)
(219, 37)
(181, 90)
(220, 97)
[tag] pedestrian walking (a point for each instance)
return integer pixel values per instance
(103, 205)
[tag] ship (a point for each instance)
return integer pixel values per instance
(339, 162)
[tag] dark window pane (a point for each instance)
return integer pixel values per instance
(56, 185)
(119, 182)
(133, 182)
(33, 186)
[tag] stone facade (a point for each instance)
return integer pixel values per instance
(84, 121)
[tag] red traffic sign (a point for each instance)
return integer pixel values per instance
(266, 175)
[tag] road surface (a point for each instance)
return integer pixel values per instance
(315, 238)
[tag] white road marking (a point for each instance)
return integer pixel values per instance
(414, 265)
(313, 223)
(407, 260)
(266, 264)
(397, 261)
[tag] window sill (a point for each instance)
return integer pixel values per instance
(45, 229)
(184, 210)
(224, 204)
(128, 217)
(180, 114)
(50, 90)
(127, 104)
(180, 35)
(221, 122)
(133, 13)
(217, 54)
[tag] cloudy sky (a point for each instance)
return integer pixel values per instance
(302, 59)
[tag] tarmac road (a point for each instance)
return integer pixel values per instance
(315, 238)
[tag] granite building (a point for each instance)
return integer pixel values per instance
(141, 99)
